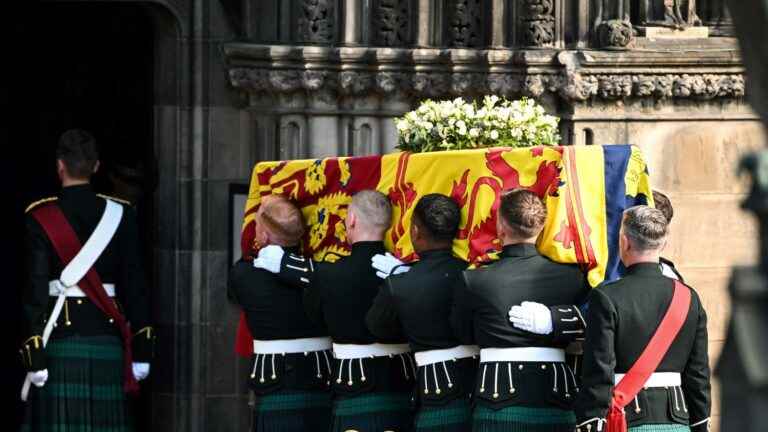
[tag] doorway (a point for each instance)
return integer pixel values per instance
(96, 73)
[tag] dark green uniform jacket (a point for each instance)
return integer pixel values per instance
(120, 264)
(622, 317)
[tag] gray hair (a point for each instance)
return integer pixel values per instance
(372, 209)
(645, 227)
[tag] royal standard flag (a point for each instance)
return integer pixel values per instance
(585, 188)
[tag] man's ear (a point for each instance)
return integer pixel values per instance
(96, 166)
(60, 167)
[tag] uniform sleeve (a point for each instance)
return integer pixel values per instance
(312, 295)
(35, 297)
(132, 288)
(296, 271)
(696, 379)
(568, 324)
(599, 359)
(382, 318)
(462, 312)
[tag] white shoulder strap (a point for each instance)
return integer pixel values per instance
(94, 246)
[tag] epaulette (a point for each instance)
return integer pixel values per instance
(119, 200)
(38, 202)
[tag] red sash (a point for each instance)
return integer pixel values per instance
(649, 360)
(67, 245)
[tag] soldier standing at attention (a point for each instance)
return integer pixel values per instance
(291, 354)
(419, 302)
(87, 319)
(523, 382)
(622, 318)
(372, 377)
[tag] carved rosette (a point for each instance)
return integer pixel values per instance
(614, 34)
(391, 23)
(538, 23)
(316, 21)
(572, 86)
(465, 23)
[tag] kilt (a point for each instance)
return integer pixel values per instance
(455, 416)
(522, 419)
(84, 391)
(662, 427)
(292, 411)
(373, 412)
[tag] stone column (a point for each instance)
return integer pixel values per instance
(429, 25)
(356, 18)
(715, 15)
(500, 18)
(537, 21)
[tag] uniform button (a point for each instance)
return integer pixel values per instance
(543, 366)
(79, 301)
(520, 367)
(111, 320)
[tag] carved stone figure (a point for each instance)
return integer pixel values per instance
(390, 23)
(612, 27)
(465, 26)
(316, 21)
(677, 14)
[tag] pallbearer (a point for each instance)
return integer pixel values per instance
(419, 302)
(372, 377)
(523, 383)
(291, 362)
(89, 338)
(622, 319)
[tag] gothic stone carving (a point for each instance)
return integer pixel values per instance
(569, 84)
(316, 21)
(669, 13)
(614, 34)
(538, 22)
(465, 25)
(390, 23)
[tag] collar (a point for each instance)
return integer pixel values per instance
(77, 189)
(368, 246)
(520, 250)
(435, 254)
(644, 269)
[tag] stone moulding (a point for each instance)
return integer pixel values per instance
(569, 75)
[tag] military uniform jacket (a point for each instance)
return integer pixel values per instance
(120, 264)
(480, 315)
(338, 295)
(419, 303)
(274, 311)
(622, 317)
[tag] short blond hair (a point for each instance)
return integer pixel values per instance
(372, 208)
(282, 219)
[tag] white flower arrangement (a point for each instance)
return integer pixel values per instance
(457, 124)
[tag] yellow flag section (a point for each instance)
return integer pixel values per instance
(585, 189)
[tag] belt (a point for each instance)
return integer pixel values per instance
(424, 358)
(350, 351)
(291, 346)
(523, 354)
(54, 290)
(657, 379)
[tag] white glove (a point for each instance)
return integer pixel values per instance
(39, 378)
(385, 263)
(531, 317)
(269, 258)
(140, 370)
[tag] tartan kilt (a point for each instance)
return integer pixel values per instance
(373, 412)
(455, 416)
(292, 411)
(661, 427)
(522, 419)
(84, 391)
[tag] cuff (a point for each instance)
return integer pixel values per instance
(567, 323)
(701, 425)
(33, 354)
(296, 268)
(144, 345)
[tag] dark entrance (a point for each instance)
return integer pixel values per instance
(96, 73)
